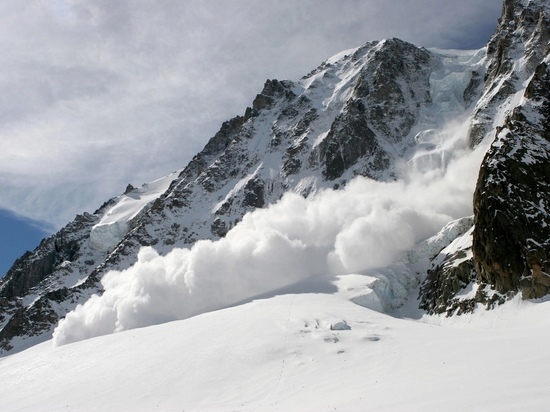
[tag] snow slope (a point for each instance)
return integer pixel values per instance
(279, 353)
(116, 221)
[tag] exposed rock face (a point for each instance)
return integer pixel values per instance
(452, 271)
(32, 268)
(386, 102)
(522, 38)
(348, 141)
(42, 277)
(510, 240)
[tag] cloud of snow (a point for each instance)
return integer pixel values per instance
(366, 225)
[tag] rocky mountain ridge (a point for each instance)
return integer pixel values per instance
(508, 249)
(364, 112)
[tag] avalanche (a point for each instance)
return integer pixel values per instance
(362, 229)
(366, 228)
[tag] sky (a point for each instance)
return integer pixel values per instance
(96, 95)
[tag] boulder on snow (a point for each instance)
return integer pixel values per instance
(341, 325)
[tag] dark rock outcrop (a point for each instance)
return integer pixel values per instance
(34, 267)
(523, 30)
(510, 245)
(511, 242)
(444, 282)
(386, 102)
(512, 200)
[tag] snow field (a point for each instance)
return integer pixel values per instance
(280, 353)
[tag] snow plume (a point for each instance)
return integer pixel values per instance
(366, 225)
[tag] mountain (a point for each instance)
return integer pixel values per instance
(366, 168)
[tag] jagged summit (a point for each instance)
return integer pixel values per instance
(387, 111)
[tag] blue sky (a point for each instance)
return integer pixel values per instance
(17, 235)
(96, 95)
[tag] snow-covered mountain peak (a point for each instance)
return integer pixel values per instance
(348, 174)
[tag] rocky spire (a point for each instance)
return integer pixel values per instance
(511, 237)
